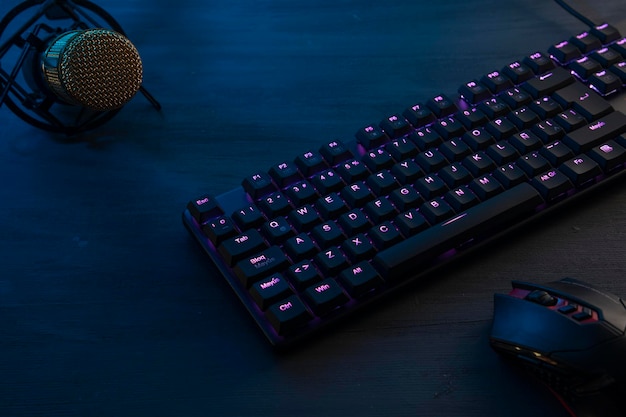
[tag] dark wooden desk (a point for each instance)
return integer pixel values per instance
(108, 308)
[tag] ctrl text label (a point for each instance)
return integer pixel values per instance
(285, 307)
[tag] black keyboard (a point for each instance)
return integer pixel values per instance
(312, 240)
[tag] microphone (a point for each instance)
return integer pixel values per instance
(97, 68)
(74, 68)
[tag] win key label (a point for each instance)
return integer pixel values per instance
(261, 264)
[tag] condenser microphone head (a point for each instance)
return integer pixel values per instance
(98, 69)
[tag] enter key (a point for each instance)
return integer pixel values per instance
(584, 100)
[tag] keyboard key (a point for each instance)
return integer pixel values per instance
(325, 296)
(442, 105)
(525, 142)
(382, 182)
(327, 234)
(304, 217)
(288, 315)
(474, 92)
(496, 82)
(461, 198)
(357, 194)
(581, 170)
(358, 247)
(219, 229)
(586, 42)
(422, 249)
(556, 153)
(606, 128)
(605, 82)
(619, 69)
(258, 185)
(436, 210)
(284, 174)
(360, 279)
(352, 170)
(406, 171)
(275, 204)
(270, 290)
(609, 156)
(303, 274)
(378, 159)
(485, 187)
(539, 62)
(385, 235)
(379, 210)
(331, 261)
(425, 138)
(564, 51)
(204, 208)
(410, 222)
(300, 247)
(238, 247)
(331, 206)
(335, 152)
(371, 136)
(533, 163)
(570, 120)
(518, 72)
(401, 149)
(248, 217)
(502, 152)
(261, 264)
(606, 33)
(419, 115)
(278, 230)
(301, 193)
(310, 162)
(327, 181)
(395, 126)
(354, 222)
(552, 184)
(548, 83)
(584, 100)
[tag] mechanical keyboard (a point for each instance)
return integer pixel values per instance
(312, 240)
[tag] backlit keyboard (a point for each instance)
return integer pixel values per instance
(314, 239)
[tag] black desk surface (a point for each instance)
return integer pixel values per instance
(107, 306)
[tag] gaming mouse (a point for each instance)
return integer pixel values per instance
(569, 334)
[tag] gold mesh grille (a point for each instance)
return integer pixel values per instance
(96, 68)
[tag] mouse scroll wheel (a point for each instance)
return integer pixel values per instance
(541, 297)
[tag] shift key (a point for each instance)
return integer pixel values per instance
(605, 128)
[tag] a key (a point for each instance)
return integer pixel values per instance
(203, 208)
(608, 127)
(584, 100)
(325, 296)
(270, 290)
(288, 315)
(261, 264)
(238, 247)
(548, 83)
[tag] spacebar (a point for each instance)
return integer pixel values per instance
(401, 261)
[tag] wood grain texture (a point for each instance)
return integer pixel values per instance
(108, 308)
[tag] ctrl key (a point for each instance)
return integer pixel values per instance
(288, 314)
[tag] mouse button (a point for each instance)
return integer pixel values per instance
(610, 308)
(542, 297)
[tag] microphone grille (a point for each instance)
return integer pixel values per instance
(96, 68)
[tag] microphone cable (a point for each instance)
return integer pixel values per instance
(587, 21)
